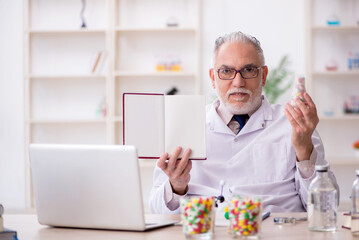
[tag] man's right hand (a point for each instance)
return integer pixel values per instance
(178, 171)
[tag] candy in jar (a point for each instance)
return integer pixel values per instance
(298, 90)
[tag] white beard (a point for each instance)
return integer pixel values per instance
(253, 103)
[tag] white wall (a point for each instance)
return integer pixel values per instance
(11, 106)
(278, 24)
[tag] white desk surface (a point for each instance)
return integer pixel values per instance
(28, 228)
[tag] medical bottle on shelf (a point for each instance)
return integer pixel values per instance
(355, 206)
(322, 202)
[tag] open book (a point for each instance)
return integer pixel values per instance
(157, 123)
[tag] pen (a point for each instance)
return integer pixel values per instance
(265, 215)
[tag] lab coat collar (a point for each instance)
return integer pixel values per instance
(256, 121)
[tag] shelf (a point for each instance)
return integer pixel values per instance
(62, 94)
(154, 74)
(340, 117)
(118, 119)
(335, 29)
(159, 29)
(64, 31)
(343, 160)
(147, 163)
(57, 121)
(92, 76)
(336, 73)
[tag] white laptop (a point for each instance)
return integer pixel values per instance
(88, 186)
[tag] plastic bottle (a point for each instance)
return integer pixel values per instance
(356, 60)
(298, 90)
(355, 206)
(323, 201)
(350, 61)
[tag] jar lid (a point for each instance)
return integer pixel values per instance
(321, 168)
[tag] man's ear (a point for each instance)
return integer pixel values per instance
(264, 75)
(211, 75)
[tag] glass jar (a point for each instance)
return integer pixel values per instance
(245, 215)
(322, 202)
(197, 214)
(355, 206)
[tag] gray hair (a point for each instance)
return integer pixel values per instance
(241, 38)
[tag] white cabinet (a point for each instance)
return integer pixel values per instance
(68, 102)
(144, 44)
(332, 37)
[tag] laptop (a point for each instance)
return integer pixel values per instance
(88, 186)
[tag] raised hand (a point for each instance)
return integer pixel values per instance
(304, 119)
(178, 171)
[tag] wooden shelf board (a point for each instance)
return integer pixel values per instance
(92, 76)
(64, 31)
(336, 73)
(154, 74)
(118, 119)
(340, 117)
(158, 29)
(147, 163)
(56, 121)
(335, 28)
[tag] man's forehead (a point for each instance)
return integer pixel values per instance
(236, 58)
(237, 51)
(240, 46)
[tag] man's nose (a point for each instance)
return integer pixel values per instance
(238, 81)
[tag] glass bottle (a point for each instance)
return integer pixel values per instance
(355, 206)
(322, 202)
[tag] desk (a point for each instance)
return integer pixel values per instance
(29, 229)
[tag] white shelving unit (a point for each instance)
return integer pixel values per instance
(330, 88)
(63, 96)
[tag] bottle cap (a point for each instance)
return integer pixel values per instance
(321, 168)
(357, 172)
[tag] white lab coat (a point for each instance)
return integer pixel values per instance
(259, 161)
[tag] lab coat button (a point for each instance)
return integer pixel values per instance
(235, 140)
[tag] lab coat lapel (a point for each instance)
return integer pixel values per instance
(256, 122)
(215, 122)
(258, 119)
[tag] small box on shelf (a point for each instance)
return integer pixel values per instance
(351, 105)
(168, 63)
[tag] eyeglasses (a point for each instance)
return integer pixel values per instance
(231, 73)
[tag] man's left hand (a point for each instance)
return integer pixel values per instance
(304, 119)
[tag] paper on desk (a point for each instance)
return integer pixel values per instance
(221, 221)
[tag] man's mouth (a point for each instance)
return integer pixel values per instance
(239, 94)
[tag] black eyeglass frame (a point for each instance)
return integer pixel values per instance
(239, 71)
